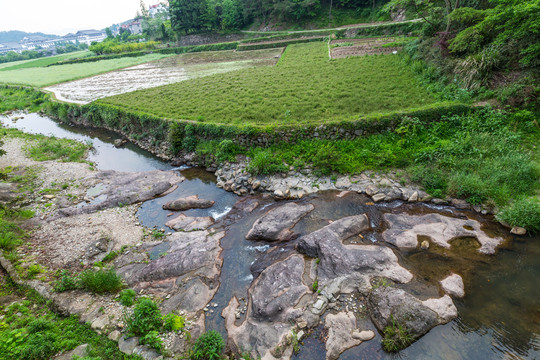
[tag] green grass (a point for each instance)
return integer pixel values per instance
(18, 99)
(30, 330)
(39, 76)
(42, 62)
(51, 148)
(305, 87)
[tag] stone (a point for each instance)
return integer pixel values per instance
(115, 335)
(378, 197)
(119, 142)
(278, 289)
(424, 245)
(363, 335)
(276, 224)
(413, 197)
(516, 230)
(404, 229)
(388, 305)
(460, 204)
(351, 262)
(188, 223)
(444, 307)
(340, 329)
(127, 345)
(453, 285)
(190, 202)
(115, 188)
(80, 351)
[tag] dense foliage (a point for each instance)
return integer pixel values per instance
(113, 46)
(189, 16)
(30, 330)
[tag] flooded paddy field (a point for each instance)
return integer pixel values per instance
(162, 72)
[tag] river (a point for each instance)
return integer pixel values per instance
(499, 318)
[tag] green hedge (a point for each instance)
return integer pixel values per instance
(258, 46)
(400, 28)
(174, 50)
(288, 36)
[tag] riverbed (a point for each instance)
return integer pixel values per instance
(499, 318)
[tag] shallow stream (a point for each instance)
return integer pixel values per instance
(499, 318)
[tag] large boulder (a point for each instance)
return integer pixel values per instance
(403, 231)
(392, 307)
(276, 224)
(278, 289)
(350, 261)
(107, 189)
(190, 202)
(273, 296)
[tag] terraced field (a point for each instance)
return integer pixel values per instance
(304, 87)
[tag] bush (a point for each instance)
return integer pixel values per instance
(153, 340)
(264, 162)
(525, 213)
(100, 281)
(39, 346)
(66, 282)
(208, 346)
(145, 318)
(127, 297)
(172, 322)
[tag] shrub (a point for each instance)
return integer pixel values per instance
(39, 325)
(525, 213)
(145, 318)
(172, 322)
(208, 346)
(263, 162)
(100, 281)
(127, 297)
(66, 282)
(153, 340)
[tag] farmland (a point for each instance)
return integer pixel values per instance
(40, 76)
(304, 87)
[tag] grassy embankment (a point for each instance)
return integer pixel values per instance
(43, 76)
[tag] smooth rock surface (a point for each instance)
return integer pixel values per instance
(453, 285)
(189, 223)
(340, 334)
(350, 261)
(276, 224)
(404, 230)
(190, 202)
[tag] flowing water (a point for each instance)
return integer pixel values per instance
(499, 318)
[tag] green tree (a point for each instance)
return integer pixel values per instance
(188, 15)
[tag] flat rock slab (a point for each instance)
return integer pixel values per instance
(349, 261)
(404, 230)
(340, 334)
(276, 224)
(190, 202)
(188, 223)
(453, 285)
(107, 189)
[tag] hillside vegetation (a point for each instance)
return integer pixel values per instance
(304, 87)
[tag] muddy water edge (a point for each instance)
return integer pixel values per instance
(499, 318)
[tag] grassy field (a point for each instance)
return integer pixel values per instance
(42, 62)
(304, 87)
(39, 76)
